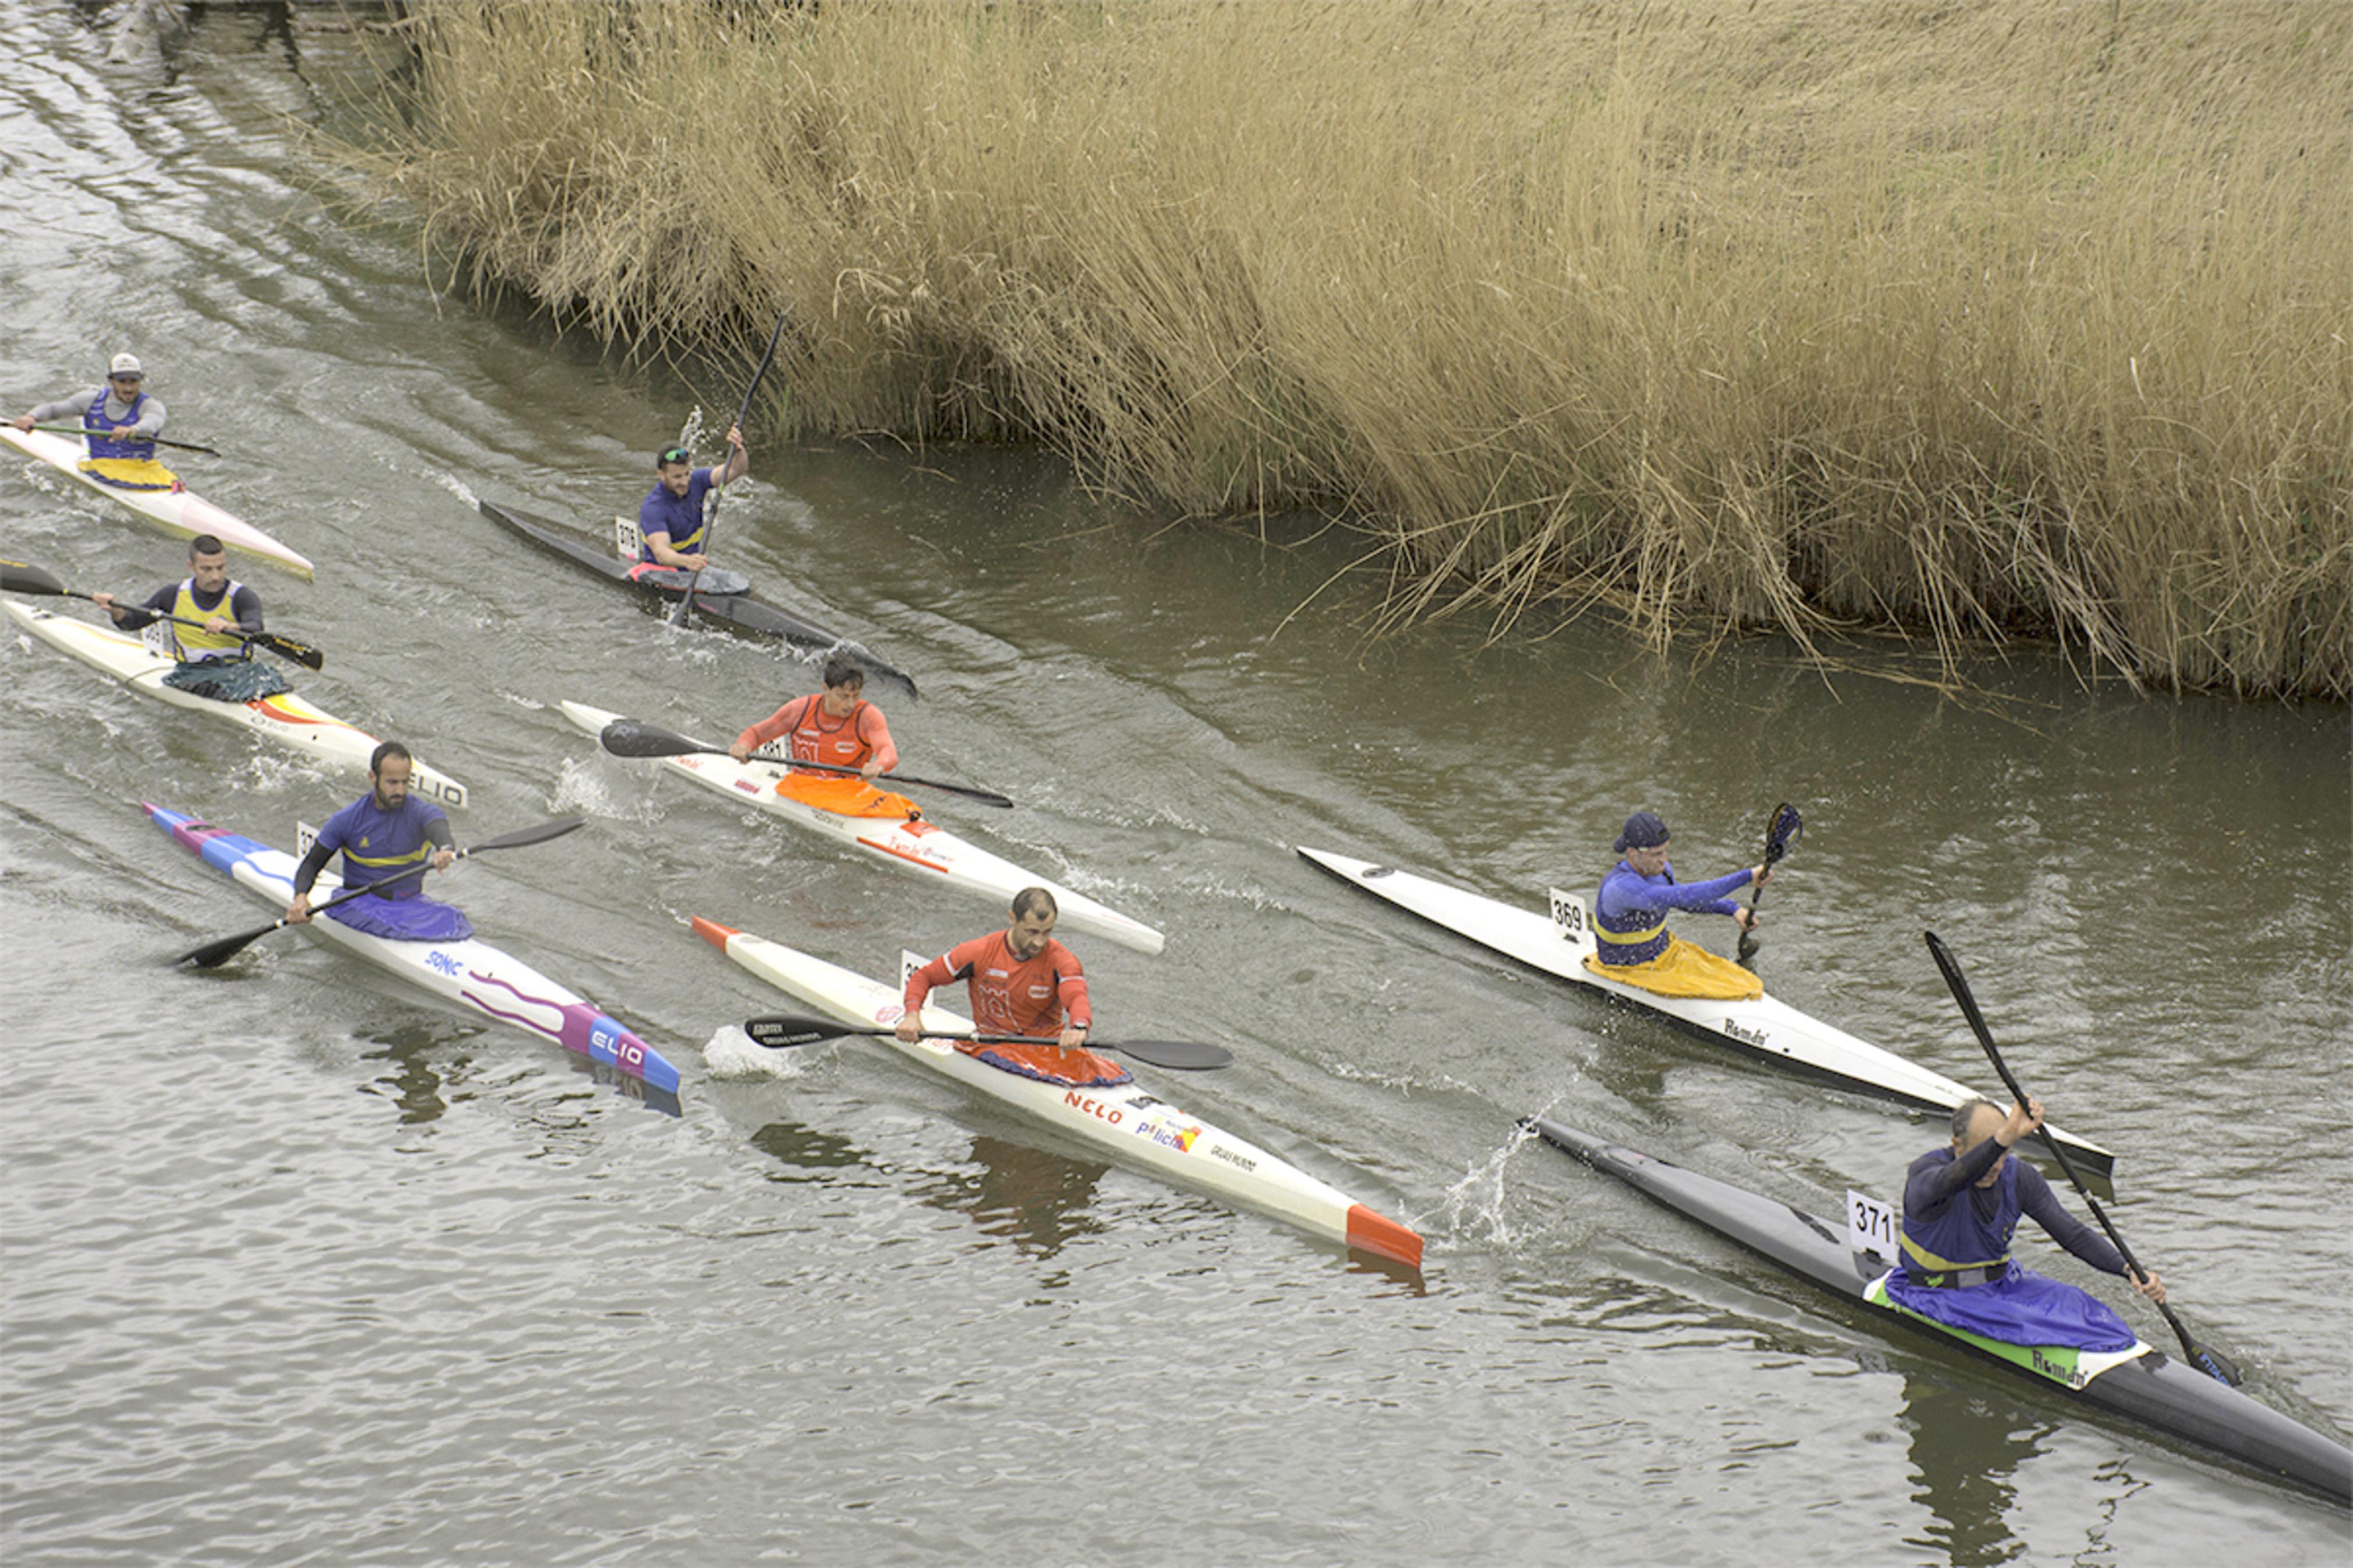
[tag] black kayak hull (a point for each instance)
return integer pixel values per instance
(747, 612)
(2154, 1391)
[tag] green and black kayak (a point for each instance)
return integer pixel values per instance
(2143, 1387)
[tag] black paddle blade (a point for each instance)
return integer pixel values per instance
(538, 833)
(1177, 1055)
(23, 577)
(286, 647)
(215, 953)
(629, 738)
(2216, 1365)
(782, 1031)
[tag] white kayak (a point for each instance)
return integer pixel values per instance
(285, 718)
(471, 974)
(920, 845)
(1126, 1121)
(182, 512)
(1766, 1030)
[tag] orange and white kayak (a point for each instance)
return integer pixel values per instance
(866, 819)
(1126, 1121)
(285, 718)
(180, 511)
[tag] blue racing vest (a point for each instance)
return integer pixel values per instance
(1955, 1239)
(95, 421)
(377, 844)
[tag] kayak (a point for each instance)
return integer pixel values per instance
(1124, 1121)
(472, 974)
(180, 511)
(1766, 1030)
(2143, 1386)
(724, 596)
(285, 718)
(912, 844)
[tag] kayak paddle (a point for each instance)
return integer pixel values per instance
(18, 577)
(151, 440)
(711, 519)
(630, 737)
(783, 1031)
(2206, 1359)
(212, 954)
(1781, 836)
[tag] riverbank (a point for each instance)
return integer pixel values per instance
(2011, 321)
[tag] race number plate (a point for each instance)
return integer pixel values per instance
(1871, 1227)
(1568, 915)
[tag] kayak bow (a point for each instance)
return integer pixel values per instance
(182, 512)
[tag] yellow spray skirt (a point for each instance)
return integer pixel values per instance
(1685, 969)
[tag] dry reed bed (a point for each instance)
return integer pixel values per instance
(1971, 321)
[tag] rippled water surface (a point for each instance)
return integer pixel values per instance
(301, 1269)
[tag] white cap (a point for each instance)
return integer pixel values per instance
(125, 365)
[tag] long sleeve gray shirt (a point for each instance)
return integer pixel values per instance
(151, 417)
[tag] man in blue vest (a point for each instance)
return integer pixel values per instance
(1632, 945)
(671, 517)
(384, 833)
(122, 419)
(1961, 1205)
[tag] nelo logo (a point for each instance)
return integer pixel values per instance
(1112, 1115)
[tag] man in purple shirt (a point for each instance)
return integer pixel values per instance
(671, 517)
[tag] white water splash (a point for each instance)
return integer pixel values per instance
(730, 1052)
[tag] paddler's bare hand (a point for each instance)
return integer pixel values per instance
(219, 624)
(1760, 875)
(910, 1027)
(1745, 918)
(695, 561)
(2149, 1285)
(441, 858)
(1073, 1036)
(23, 422)
(740, 752)
(736, 436)
(2022, 1119)
(298, 910)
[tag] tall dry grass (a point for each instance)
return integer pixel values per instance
(1966, 320)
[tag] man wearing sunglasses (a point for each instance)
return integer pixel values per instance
(121, 420)
(670, 519)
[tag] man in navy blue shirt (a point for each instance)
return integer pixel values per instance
(671, 517)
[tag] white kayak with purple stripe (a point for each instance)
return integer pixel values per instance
(471, 974)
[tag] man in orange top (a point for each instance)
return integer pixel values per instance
(1021, 982)
(836, 726)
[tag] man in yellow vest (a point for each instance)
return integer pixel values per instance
(210, 617)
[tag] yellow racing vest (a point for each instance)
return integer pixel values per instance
(198, 645)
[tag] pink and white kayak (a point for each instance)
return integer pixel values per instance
(1136, 1127)
(182, 512)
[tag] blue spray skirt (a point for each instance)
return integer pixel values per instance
(417, 919)
(2022, 1308)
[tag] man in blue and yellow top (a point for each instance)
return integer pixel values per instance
(120, 421)
(384, 833)
(1629, 920)
(1961, 1206)
(210, 615)
(671, 517)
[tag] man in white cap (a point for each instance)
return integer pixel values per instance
(119, 419)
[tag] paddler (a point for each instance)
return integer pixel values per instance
(1019, 981)
(1629, 920)
(1961, 1205)
(836, 726)
(670, 519)
(384, 833)
(122, 422)
(213, 620)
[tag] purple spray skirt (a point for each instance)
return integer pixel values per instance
(2022, 1308)
(420, 918)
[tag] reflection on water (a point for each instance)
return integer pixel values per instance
(415, 1082)
(1033, 1198)
(1966, 1448)
(804, 1149)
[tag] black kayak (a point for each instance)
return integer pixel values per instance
(723, 597)
(2150, 1391)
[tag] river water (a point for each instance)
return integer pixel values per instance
(301, 1269)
